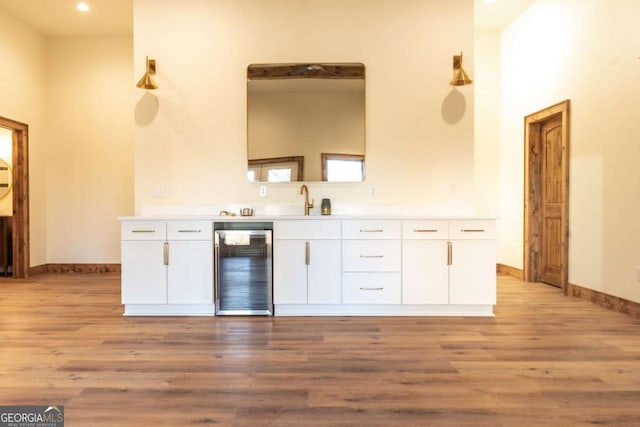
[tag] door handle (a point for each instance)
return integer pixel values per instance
(165, 253)
(216, 271)
(307, 253)
(449, 253)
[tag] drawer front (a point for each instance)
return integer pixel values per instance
(425, 230)
(371, 229)
(371, 288)
(306, 229)
(472, 229)
(143, 230)
(371, 255)
(189, 230)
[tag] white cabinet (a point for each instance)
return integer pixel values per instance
(448, 262)
(144, 274)
(472, 270)
(306, 262)
(425, 273)
(167, 262)
(189, 262)
(371, 262)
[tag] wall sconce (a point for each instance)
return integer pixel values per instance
(460, 77)
(147, 82)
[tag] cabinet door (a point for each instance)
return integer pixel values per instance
(289, 272)
(472, 273)
(324, 272)
(190, 272)
(425, 274)
(144, 275)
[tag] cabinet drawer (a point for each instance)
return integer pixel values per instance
(143, 230)
(371, 288)
(425, 229)
(371, 229)
(472, 229)
(190, 230)
(371, 255)
(306, 229)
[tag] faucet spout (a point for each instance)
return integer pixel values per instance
(307, 206)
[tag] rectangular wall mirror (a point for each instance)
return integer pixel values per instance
(306, 122)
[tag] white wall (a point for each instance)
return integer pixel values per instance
(586, 51)
(191, 133)
(89, 96)
(487, 122)
(22, 85)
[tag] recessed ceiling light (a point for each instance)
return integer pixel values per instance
(83, 7)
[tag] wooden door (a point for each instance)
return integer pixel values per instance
(551, 202)
(546, 219)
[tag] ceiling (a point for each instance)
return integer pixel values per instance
(497, 15)
(55, 18)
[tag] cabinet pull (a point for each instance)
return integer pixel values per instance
(422, 230)
(216, 272)
(372, 231)
(189, 231)
(449, 253)
(371, 256)
(371, 289)
(472, 230)
(143, 231)
(165, 253)
(307, 253)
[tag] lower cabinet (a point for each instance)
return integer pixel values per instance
(449, 262)
(425, 273)
(167, 263)
(472, 273)
(306, 272)
(306, 262)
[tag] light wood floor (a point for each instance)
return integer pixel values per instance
(545, 359)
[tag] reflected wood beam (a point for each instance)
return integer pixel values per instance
(305, 71)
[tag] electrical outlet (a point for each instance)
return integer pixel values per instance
(372, 191)
(158, 192)
(263, 191)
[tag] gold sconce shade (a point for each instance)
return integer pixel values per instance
(147, 82)
(460, 77)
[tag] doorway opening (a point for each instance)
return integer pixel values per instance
(546, 204)
(17, 224)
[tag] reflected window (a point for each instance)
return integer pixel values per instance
(342, 167)
(277, 169)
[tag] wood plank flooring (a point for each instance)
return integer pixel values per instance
(545, 359)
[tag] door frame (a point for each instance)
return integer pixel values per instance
(20, 176)
(532, 191)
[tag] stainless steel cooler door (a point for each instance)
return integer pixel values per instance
(243, 272)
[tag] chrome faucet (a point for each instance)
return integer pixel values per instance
(307, 206)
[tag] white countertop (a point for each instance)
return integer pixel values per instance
(300, 217)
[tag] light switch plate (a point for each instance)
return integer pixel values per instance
(263, 191)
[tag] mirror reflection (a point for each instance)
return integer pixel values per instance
(306, 122)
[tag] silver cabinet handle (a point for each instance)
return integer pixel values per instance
(165, 253)
(449, 253)
(307, 253)
(143, 231)
(370, 289)
(371, 256)
(372, 231)
(189, 231)
(216, 271)
(473, 230)
(422, 230)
